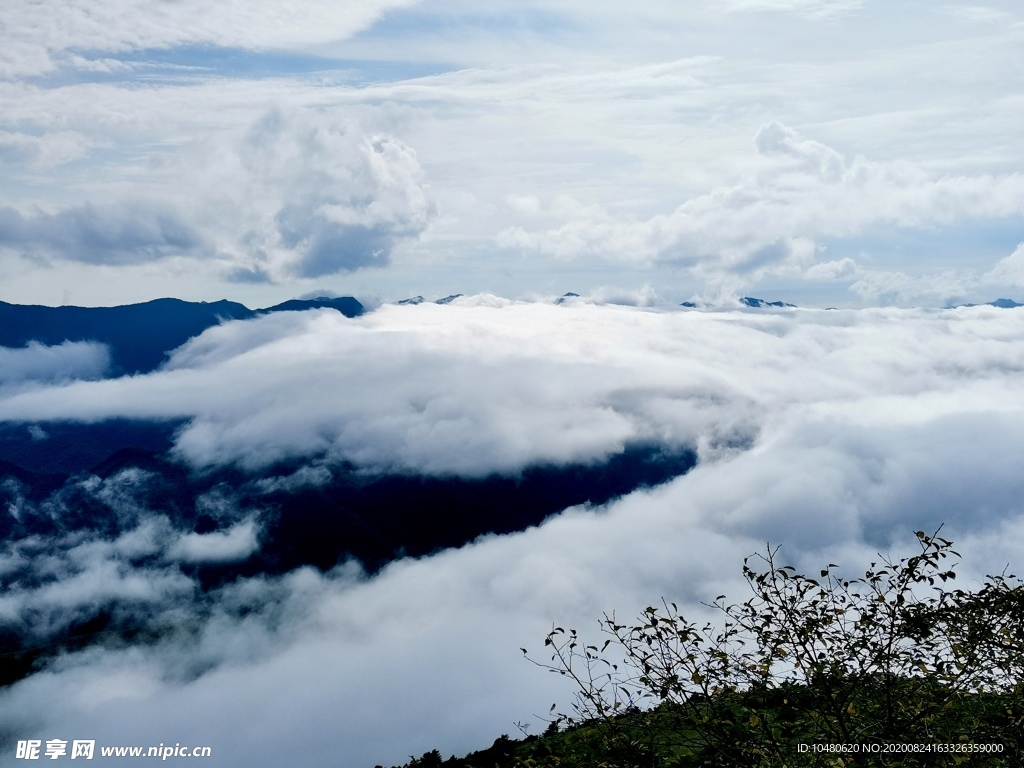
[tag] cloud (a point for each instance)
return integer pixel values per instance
(54, 583)
(99, 234)
(46, 151)
(327, 195)
(813, 9)
(48, 29)
(1009, 271)
(834, 434)
(38, 363)
(391, 390)
(295, 194)
(934, 289)
(767, 223)
(230, 546)
(655, 150)
(840, 269)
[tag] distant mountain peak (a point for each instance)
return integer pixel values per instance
(999, 303)
(139, 336)
(449, 299)
(566, 296)
(750, 301)
(414, 300)
(347, 305)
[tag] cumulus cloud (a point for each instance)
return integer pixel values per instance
(294, 194)
(835, 434)
(1009, 271)
(321, 195)
(840, 269)
(768, 223)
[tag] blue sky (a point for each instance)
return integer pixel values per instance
(846, 152)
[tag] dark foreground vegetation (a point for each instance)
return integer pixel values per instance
(896, 668)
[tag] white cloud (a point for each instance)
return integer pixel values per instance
(934, 289)
(478, 386)
(46, 151)
(841, 269)
(39, 32)
(295, 194)
(801, 191)
(1009, 271)
(399, 388)
(814, 9)
(51, 583)
(321, 195)
(231, 546)
(106, 234)
(37, 363)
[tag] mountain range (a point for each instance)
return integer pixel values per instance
(139, 336)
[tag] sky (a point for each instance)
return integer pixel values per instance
(824, 152)
(827, 153)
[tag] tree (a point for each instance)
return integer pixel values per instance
(895, 661)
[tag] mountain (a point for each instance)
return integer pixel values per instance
(420, 300)
(1000, 303)
(750, 301)
(139, 335)
(347, 305)
(347, 513)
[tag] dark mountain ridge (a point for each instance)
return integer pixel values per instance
(139, 335)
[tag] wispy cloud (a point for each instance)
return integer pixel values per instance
(47, 29)
(39, 364)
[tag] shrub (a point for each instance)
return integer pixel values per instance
(897, 660)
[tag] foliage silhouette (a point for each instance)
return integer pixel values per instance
(897, 665)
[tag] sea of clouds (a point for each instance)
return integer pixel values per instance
(834, 434)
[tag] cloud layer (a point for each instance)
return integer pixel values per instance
(835, 434)
(53, 30)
